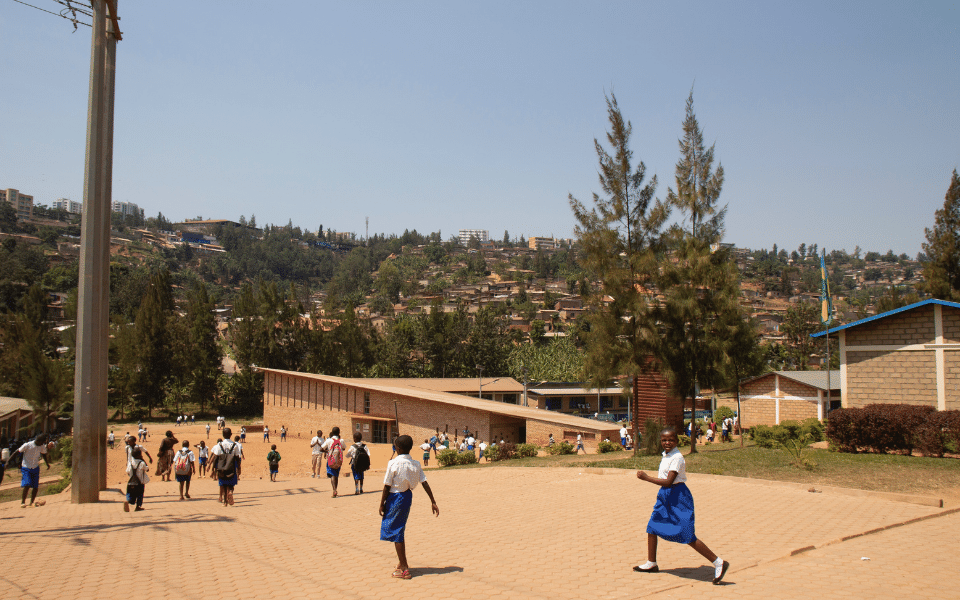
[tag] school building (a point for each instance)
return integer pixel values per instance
(910, 355)
(383, 408)
(788, 396)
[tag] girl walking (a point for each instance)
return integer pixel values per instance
(673, 517)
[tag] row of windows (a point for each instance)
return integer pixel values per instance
(585, 403)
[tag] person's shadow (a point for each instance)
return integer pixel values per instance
(435, 570)
(701, 573)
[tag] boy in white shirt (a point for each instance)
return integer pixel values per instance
(30, 467)
(403, 475)
(184, 465)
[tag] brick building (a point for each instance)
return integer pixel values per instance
(788, 396)
(910, 355)
(653, 399)
(306, 402)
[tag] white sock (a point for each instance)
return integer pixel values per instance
(648, 565)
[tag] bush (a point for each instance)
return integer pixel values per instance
(604, 447)
(722, 413)
(527, 450)
(503, 451)
(492, 453)
(448, 458)
(684, 440)
(651, 437)
(814, 428)
(887, 428)
(63, 449)
(562, 447)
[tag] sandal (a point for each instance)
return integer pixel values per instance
(402, 574)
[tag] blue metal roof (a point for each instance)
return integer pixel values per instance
(887, 314)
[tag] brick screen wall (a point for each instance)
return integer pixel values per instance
(892, 377)
(759, 405)
(912, 327)
(652, 399)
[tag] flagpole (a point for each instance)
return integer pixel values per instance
(826, 315)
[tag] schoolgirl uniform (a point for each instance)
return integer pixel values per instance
(403, 475)
(673, 516)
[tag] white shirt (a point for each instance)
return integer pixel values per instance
(225, 447)
(329, 443)
(403, 473)
(425, 447)
(190, 455)
(483, 446)
(204, 451)
(130, 448)
(470, 441)
(31, 454)
(673, 461)
(353, 450)
(142, 474)
(111, 437)
(623, 432)
(315, 444)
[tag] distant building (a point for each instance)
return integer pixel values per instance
(481, 234)
(128, 208)
(542, 243)
(74, 208)
(22, 202)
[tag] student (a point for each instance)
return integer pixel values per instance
(403, 475)
(359, 457)
(184, 466)
(238, 439)
(226, 466)
(30, 467)
(316, 449)
(283, 433)
(580, 444)
(483, 448)
(111, 440)
(333, 450)
(273, 459)
(623, 435)
(131, 443)
(673, 516)
(425, 446)
(204, 453)
(243, 434)
(208, 431)
(550, 442)
(136, 484)
(266, 434)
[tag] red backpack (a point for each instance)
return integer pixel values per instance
(335, 455)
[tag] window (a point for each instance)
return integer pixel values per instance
(554, 403)
(623, 402)
(366, 403)
(606, 403)
(510, 398)
(380, 432)
(579, 403)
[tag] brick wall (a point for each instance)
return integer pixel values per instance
(757, 411)
(911, 327)
(797, 410)
(652, 399)
(951, 363)
(951, 325)
(765, 385)
(891, 377)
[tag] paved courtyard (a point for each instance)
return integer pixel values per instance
(502, 533)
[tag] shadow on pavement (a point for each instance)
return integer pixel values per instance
(82, 529)
(704, 573)
(435, 570)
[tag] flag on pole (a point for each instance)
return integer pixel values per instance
(826, 304)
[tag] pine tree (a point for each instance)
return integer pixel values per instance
(942, 272)
(206, 364)
(152, 347)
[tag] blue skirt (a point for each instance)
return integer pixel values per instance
(229, 481)
(395, 520)
(331, 472)
(672, 517)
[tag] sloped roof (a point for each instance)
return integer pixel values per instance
(888, 314)
(815, 379)
(8, 405)
(500, 408)
(455, 384)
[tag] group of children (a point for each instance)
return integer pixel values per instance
(672, 519)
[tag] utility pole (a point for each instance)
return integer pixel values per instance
(90, 379)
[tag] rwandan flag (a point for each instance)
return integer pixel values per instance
(826, 304)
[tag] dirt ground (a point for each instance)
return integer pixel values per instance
(295, 452)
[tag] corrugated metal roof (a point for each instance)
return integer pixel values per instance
(456, 384)
(573, 391)
(8, 405)
(887, 314)
(500, 408)
(815, 379)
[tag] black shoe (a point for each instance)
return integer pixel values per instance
(723, 571)
(653, 569)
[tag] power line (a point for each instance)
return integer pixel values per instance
(62, 16)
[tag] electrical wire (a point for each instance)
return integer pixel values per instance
(72, 20)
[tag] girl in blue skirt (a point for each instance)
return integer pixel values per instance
(673, 518)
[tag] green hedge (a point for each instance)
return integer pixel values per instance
(894, 428)
(562, 447)
(604, 447)
(448, 458)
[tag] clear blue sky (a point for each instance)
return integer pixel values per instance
(837, 123)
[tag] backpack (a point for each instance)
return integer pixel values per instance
(361, 459)
(181, 465)
(226, 462)
(335, 456)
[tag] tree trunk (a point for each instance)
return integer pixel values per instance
(693, 422)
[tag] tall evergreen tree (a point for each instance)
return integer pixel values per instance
(153, 348)
(942, 272)
(206, 365)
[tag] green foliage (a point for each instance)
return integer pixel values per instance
(63, 450)
(556, 360)
(605, 447)
(560, 448)
(802, 319)
(792, 436)
(722, 413)
(451, 457)
(941, 272)
(526, 450)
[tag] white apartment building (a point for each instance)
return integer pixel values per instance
(74, 208)
(481, 234)
(128, 208)
(22, 202)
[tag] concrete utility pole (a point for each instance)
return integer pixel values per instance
(93, 314)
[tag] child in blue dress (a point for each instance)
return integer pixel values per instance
(673, 517)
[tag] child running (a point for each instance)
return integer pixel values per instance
(673, 517)
(273, 459)
(403, 475)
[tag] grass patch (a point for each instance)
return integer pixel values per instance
(54, 487)
(877, 472)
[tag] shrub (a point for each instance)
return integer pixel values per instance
(814, 428)
(63, 449)
(492, 453)
(504, 451)
(448, 458)
(888, 427)
(684, 440)
(527, 450)
(562, 447)
(722, 413)
(604, 447)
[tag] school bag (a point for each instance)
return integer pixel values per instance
(361, 459)
(181, 465)
(226, 462)
(335, 456)
(273, 459)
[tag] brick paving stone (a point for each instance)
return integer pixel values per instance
(518, 533)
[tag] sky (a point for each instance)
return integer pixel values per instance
(837, 123)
